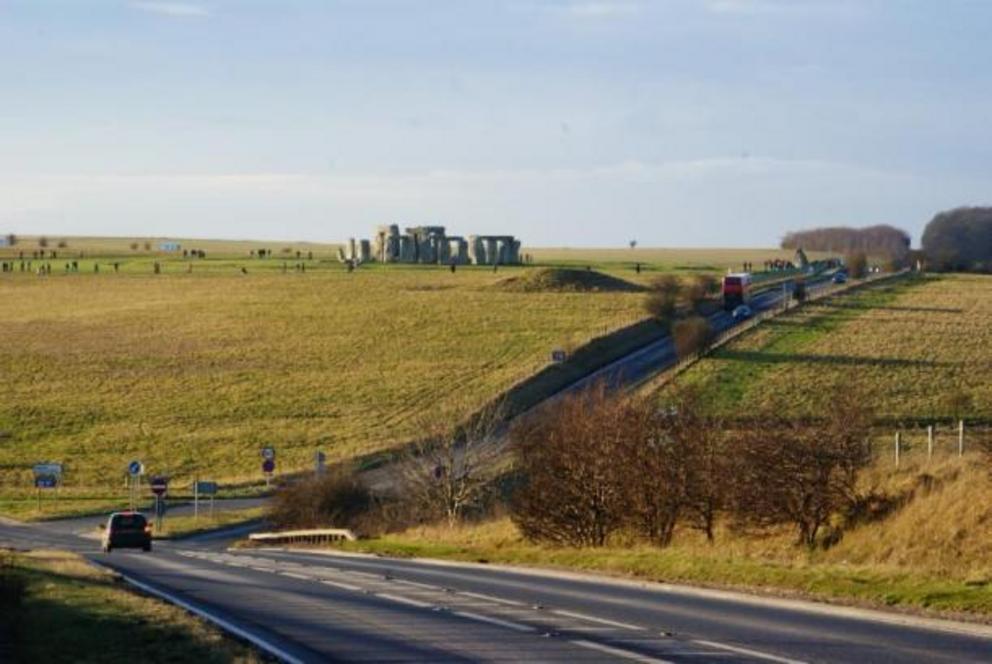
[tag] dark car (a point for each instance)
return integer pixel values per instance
(742, 312)
(840, 278)
(127, 530)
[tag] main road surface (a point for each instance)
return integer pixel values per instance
(321, 606)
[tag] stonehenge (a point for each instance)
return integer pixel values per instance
(431, 245)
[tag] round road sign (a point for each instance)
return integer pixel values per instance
(268, 466)
(269, 453)
(159, 485)
(135, 468)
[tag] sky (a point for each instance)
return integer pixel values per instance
(566, 122)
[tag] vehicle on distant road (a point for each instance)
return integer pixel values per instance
(126, 530)
(742, 312)
(736, 290)
(840, 278)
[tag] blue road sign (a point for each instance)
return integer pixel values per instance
(135, 468)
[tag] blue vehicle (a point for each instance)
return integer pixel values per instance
(840, 278)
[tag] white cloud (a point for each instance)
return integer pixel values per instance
(175, 9)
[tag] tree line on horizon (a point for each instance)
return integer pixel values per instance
(880, 240)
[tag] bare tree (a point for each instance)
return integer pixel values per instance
(691, 335)
(450, 470)
(11, 240)
(633, 244)
(700, 288)
(857, 265)
(663, 296)
(571, 461)
(792, 471)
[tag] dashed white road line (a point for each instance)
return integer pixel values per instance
(619, 652)
(493, 621)
(293, 575)
(405, 600)
(747, 651)
(341, 584)
(601, 621)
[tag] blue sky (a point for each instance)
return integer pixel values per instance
(567, 122)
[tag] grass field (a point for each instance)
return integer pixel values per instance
(193, 372)
(73, 612)
(918, 351)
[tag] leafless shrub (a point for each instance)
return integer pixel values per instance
(43, 242)
(449, 472)
(700, 288)
(691, 335)
(663, 296)
(792, 471)
(857, 265)
(333, 499)
(574, 480)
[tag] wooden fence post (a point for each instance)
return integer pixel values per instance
(898, 440)
(929, 442)
(960, 438)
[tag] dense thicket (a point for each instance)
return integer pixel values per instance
(881, 240)
(960, 239)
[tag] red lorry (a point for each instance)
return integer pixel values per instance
(736, 290)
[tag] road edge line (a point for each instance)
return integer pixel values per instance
(225, 625)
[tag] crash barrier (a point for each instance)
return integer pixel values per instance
(312, 536)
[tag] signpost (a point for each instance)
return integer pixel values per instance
(206, 489)
(47, 476)
(159, 486)
(268, 464)
(135, 470)
(558, 355)
(319, 461)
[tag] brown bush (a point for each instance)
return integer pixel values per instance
(691, 336)
(333, 499)
(701, 288)
(663, 296)
(790, 471)
(574, 488)
(857, 265)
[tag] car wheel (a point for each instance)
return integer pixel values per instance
(146, 548)
(107, 549)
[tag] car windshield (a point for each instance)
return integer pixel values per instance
(128, 521)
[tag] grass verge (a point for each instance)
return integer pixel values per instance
(185, 526)
(71, 611)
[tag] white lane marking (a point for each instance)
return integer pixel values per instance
(601, 621)
(619, 652)
(296, 576)
(405, 600)
(256, 640)
(339, 584)
(490, 598)
(747, 651)
(493, 621)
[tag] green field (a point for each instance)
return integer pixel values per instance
(917, 351)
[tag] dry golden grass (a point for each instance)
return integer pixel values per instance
(74, 612)
(194, 373)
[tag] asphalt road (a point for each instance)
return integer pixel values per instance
(311, 607)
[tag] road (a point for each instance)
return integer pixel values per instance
(660, 355)
(315, 606)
